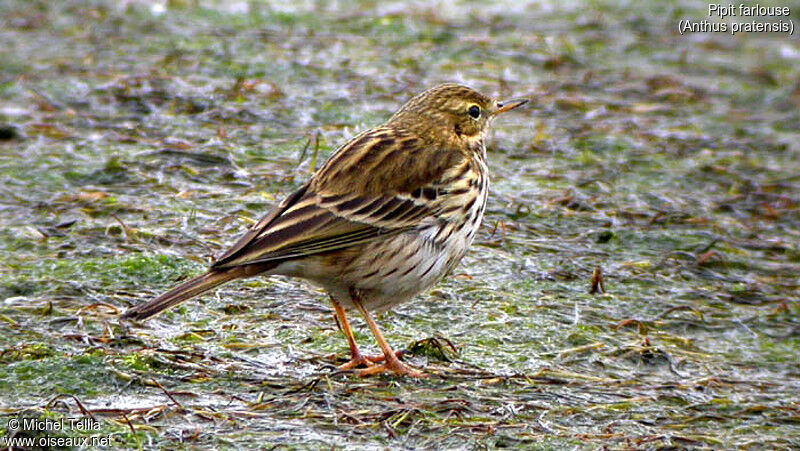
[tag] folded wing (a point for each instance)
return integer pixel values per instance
(340, 206)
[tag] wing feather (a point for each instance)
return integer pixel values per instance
(341, 206)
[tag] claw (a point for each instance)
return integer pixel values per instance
(368, 361)
(357, 361)
(395, 367)
(390, 358)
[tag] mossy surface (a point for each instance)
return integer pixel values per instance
(137, 142)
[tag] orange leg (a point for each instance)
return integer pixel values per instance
(356, 358)
(392, 364)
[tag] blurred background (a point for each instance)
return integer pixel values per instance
(138, 139)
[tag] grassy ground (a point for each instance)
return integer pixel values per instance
(137, 144)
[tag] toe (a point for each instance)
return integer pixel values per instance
(355, 362)
(400, 370)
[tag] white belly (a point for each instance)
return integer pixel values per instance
(388, 271)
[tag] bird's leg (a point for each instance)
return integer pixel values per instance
(392, 364)
(356, 358)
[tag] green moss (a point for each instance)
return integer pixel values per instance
(146, 270)
(34, 351)
(76, 375)
(666, 161)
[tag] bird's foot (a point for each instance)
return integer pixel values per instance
(356, 361)
(368, 361)
(394, 365)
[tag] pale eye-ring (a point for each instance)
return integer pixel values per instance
(474, 111)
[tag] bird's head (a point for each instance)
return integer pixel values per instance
(451, 110)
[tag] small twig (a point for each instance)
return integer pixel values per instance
(83, 409)
(672, 365)
(158, 384)
(46, 101)
(666, 312)
(498, 225)
(129, 232)
(114, 310)
(389, 429)
(597, 281)
(313, 165)
(305, 149)
(128, 421)
(338, 324)
(708, 246)
(575, 350)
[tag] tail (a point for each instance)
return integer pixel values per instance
(185, 291)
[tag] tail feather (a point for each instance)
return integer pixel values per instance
(185, 291)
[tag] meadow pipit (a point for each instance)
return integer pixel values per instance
(388, 215)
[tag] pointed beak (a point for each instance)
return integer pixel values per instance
(509, 105)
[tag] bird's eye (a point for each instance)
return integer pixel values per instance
(474, 111)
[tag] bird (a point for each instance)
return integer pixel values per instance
(387, 216)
